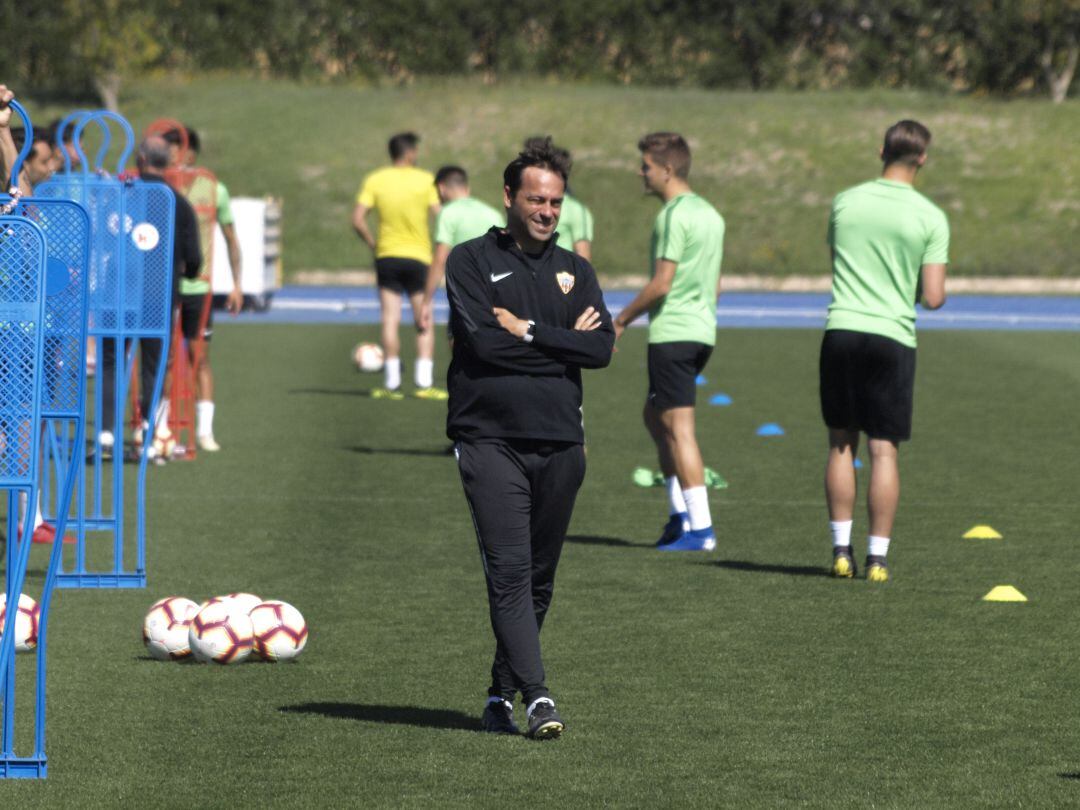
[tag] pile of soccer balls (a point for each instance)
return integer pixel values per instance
(225, 629)
(26, 622)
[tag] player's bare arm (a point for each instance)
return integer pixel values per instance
(933, 285)
(583, 248)
(654, 291)
(8, 152)
(360, 225)
(235, 301)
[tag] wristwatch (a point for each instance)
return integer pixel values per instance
(530, 333)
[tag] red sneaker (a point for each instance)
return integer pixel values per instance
(45, 534)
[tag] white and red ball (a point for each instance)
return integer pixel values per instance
(27, 622)
(244, 602)
(280, 631)
(165, 628)
(368, 357)
(220, 632)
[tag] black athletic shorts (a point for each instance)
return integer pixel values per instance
(406, 276)
(867, 384)
(673, 371)
(191, 311)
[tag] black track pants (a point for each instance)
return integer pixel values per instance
(521, 495)
(150, 359)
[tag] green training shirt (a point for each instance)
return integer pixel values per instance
(575, 223)
(881, 234)
(198, 286)
(465, 219)
(689, 232)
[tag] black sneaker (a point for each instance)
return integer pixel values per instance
(499, 718)
(544, 721)
(876, 569)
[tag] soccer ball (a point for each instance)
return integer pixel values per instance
(26, 622)
(280, 631)
(368, 357)
(244, 602)
(165, 628)
(221, 633)
(164, 444)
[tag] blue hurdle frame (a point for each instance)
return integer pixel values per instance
(129, 301)
(22, 316)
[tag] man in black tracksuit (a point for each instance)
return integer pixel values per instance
(525, 318)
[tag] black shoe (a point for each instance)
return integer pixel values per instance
(544, 721)
(843, 564)
(499, 718)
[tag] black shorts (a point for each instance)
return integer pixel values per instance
(406, 276)
(673, 371)
(867, 384)
(191, 312)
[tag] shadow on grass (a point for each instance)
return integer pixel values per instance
(597, 540)
(336, 392)
(442, 452)
(770, 568)
(397, 715)
(1073, 775)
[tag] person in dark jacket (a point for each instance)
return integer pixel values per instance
(152, 160)
(525, 317)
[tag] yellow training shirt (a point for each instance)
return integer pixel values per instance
(402, 196)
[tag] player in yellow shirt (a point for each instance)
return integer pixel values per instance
(404, 197)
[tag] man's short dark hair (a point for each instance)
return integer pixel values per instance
(905, 142)
(538, 141)
(401, 143)
(154, 154)
(18, 134)
(193, 141)
(451, 176)
(541, 154)
(668, 149)
(69, 130)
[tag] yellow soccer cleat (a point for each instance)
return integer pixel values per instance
(433, 393)
(387, 393)
(843, 564)
(876, 570)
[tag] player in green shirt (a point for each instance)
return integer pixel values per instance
(461, 218)
(193, 302)
(889, 245)
(687, 248)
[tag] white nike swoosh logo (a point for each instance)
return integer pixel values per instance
(501, 276)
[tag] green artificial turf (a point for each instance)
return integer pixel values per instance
(739, 678)
(1006, 172)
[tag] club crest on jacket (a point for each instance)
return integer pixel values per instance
(566, 282)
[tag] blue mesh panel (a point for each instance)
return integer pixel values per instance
(67, 239)
(149, 259)
(22, 265)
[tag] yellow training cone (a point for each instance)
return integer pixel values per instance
(981, 533)
(1004, 593)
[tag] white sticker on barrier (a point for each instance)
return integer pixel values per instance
(145, 236)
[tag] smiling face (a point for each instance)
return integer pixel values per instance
(533, 211)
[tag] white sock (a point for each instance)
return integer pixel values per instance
(877, 546)
(38, 518)
(841, 532)
(204, 417)
(425, 372)
(676, 502)
(162, 417)
(532, 705)
(697, 504)
(392, 369)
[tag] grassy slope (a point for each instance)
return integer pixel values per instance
(1007, 173)
(740, 678)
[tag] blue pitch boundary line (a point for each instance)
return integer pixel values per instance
(360, 305)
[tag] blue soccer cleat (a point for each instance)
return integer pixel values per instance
(693, 540)
(674, 529)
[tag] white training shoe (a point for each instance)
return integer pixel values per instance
(208, 444)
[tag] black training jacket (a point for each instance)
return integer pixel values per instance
(500, 386)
